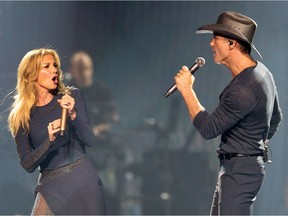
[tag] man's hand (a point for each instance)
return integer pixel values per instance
(184, 80)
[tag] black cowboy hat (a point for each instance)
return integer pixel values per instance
(234, 25)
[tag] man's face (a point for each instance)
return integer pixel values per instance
(82, 72)
(220, 48)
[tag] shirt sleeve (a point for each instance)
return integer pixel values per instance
(81, 123)
(275, 119)
(30, 158)
(233, 106)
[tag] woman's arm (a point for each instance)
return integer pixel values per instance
(79, 119)
(30, 158)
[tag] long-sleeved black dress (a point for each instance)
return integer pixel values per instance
(68, 181)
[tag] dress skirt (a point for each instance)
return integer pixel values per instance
(74, 189)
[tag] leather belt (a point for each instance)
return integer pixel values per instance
(228, 156)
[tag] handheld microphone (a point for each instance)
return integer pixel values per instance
(63, 116)
(199, 62)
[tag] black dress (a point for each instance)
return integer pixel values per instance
(68, 181)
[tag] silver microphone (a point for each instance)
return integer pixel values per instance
(199, 62)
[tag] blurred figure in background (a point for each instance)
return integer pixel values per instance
(101, 107)
(102, 113)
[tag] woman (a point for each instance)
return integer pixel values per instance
(68, 183)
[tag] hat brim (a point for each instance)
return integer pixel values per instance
(227, 31)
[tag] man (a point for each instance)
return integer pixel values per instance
(100, 104)
(248, 114)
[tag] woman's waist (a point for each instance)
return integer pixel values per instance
(61, 157)
(49, 174)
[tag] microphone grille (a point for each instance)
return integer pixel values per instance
(200, 61)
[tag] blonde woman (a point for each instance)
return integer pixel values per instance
(68, 183)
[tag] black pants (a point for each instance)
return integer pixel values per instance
(239, 181)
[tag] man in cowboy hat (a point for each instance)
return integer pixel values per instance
(248, 114)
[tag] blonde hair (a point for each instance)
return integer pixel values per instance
(25, 96)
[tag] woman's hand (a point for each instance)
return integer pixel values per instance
(68, 103)
(53, 127)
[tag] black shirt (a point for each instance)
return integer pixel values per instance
(247, 115)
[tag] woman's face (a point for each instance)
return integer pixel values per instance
(48, 76)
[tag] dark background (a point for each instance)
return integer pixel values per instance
(165, 167)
